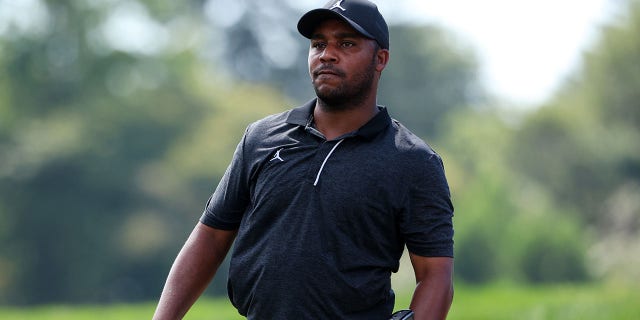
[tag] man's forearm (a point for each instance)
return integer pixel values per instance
(434, 287)
(192, 271)
(185, 283)
(432, 300)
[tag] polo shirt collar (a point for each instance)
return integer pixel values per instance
(301, 115)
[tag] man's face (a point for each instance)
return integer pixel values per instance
(342, 64)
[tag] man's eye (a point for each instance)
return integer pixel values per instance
(348, 44)
(318, 45)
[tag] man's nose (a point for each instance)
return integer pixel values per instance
(329, 54)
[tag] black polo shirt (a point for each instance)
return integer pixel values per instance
(322, 224)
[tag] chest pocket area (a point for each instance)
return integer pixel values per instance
(280, 174)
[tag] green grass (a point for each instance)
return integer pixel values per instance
(546, 302)
(499, 301)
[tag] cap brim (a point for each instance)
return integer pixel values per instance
(310, 21)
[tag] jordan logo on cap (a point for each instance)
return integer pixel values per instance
(338, 5)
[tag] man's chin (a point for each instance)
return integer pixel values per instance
(326, 85)
(327, 93)
(333, 103)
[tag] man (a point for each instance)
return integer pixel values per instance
(322, 199)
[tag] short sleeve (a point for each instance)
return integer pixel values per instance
(428, 225)
(227, 204)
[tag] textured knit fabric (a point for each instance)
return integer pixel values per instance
(322, 224)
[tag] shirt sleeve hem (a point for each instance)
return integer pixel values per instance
(432, 253)
(212, 222)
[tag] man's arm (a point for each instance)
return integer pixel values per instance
(434, 290)
(192, 270)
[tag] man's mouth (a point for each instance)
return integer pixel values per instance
(327, 71)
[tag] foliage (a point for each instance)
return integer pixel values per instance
(83, 195)
(584, 146)
(111, 141)
(506, 228)
(429, 76)
(261, 44)
(556, 252)
(534, 195)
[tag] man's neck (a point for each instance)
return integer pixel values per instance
(334, 123)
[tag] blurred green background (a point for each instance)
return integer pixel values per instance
(118, 117)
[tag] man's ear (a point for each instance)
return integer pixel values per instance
(382, 59)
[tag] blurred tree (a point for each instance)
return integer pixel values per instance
(553, 253)
(257, 41)
(506, 227)
(94, 93)
(584, 146)
(429, 77)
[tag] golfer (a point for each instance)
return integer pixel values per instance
(320, 201)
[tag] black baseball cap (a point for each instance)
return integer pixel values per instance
(362, 15)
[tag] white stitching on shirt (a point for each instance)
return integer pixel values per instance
(325, 161)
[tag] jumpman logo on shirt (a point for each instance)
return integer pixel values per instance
(277, 156)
